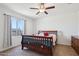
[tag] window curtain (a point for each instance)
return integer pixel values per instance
(24, 26)
(7, 42)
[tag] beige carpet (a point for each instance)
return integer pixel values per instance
(63, 50)
(60, 50)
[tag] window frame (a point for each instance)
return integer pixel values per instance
(17, 26)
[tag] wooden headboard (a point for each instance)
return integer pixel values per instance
(49, 32)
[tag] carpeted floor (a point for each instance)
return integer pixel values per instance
(60, 50)
(63, 50)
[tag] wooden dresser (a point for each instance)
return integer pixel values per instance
(75, 43)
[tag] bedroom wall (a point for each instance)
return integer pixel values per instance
(78, 23)
(65, 24)
(15, 40)
(29, 26)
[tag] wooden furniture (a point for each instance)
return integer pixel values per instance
(75, 43)
(41, 44)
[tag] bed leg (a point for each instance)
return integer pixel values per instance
(22, 47)
(51, 53)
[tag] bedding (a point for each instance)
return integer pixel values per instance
(54, 38)
(41, 34)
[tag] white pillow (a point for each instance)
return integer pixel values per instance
(41, 34)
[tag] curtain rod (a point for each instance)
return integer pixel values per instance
(8, 14)
(4, 14)
(15, 16)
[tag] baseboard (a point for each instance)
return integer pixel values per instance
(69, 44)
(64, 44)
(8, 48)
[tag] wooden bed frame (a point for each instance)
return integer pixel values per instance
(43, 49)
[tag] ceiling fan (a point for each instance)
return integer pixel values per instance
(42, 8)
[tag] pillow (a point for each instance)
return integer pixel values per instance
(46, 34)
(41, 34)
(36, 34)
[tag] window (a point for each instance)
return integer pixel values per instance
(17, 26)
(20, 27)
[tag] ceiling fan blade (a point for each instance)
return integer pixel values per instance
(45, 12)
(50, 7)
(33, 8)
(37, 12)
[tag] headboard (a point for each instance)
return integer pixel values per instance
(49, 32)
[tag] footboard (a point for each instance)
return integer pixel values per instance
(40, 44)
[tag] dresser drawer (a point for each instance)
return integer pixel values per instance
(75, 43)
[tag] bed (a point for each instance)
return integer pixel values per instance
(42, 44)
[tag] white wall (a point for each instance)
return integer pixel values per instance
(29, 26)
(78, 23)
(15, 40)
(65, 24)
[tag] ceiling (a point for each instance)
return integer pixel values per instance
(60, 8)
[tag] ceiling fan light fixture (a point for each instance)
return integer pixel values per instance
(41, 10)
